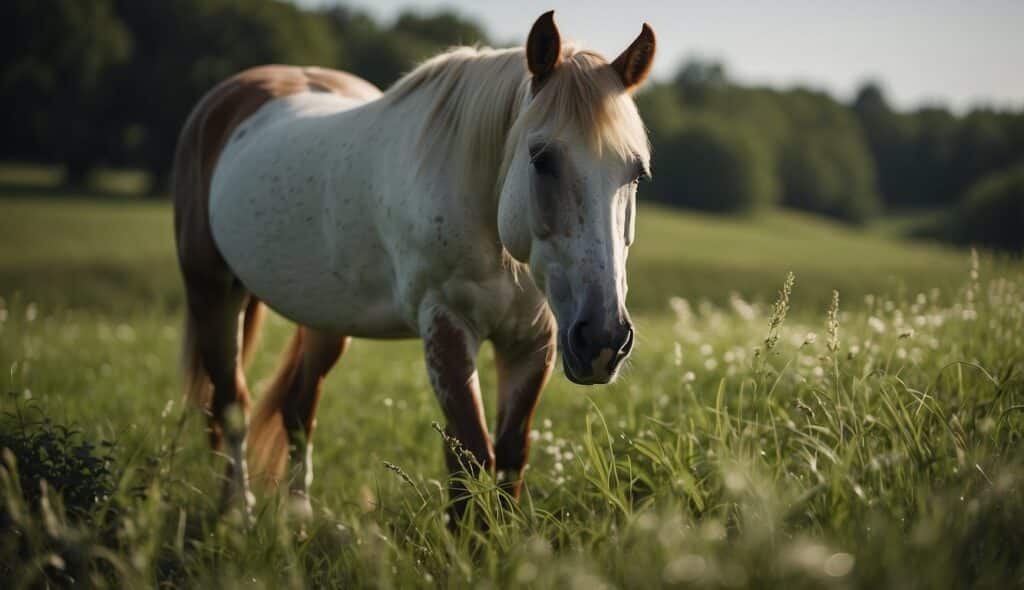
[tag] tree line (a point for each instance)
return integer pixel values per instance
(733, 148)
(110, 82)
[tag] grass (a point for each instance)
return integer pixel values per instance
(117, 254)
(879, 445)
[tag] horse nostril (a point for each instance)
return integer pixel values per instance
(627, 344)
(578, 339)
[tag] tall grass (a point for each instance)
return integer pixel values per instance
(877, 443)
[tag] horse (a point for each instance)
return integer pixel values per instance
(487, 195)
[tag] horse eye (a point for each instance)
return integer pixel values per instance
(544, 162)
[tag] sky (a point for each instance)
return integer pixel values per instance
(954, 53)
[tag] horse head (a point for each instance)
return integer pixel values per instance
(567, 207)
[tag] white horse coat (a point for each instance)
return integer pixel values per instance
(486, 196)
(312, 212)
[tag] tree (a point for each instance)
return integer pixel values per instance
(982, 146)
(184, 48)
(798, 147)
(661, 110)
(913, 152)
(57, 56)
(442, 29)
(699, 79)
(713, 166)
(383, 55)
(991, 213)
(825, 163)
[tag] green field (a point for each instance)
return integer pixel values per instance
(113, 254)
(883, 449)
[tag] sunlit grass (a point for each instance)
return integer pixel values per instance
(873, 441)
(876, 445)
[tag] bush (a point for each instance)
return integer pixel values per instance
(58, 510)
(991, 213)
(42, 450)
(714, 167)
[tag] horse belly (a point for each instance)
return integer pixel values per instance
(350, 296)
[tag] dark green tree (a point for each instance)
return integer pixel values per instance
(186, 47)
(991, 214)
(825, 163)
(442, 29)
(714, 166)
(55, 60)
(382, 55)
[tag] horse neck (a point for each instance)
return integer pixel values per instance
(457, 111)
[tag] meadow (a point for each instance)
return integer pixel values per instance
(860, 426)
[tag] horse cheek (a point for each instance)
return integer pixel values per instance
(514, 230)
(543, 208)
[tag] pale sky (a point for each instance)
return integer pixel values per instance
(956, 53)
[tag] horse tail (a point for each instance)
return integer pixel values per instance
(252, 321)
(198, 386)
(268, 440)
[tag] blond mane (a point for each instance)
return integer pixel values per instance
(478, 110)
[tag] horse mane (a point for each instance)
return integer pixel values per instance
(479, 108)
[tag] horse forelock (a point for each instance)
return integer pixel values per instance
(585, 96)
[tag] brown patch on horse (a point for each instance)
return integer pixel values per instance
(202, 139)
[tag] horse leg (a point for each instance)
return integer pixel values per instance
(283, 424)
(217, 331)
(450, 349)
(524, 366)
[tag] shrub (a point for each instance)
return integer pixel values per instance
(43, 450)
(58, 514)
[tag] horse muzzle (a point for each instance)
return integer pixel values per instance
(591, 354)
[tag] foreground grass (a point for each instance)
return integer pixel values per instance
(880, 448)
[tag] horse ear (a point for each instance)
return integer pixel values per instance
(635, 62)
(543, 48)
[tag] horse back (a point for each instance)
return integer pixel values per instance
(207, 131)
